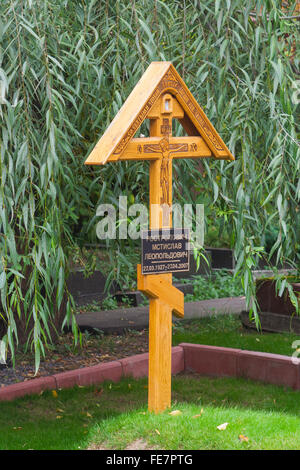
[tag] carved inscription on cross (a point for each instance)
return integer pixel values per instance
(160, 96)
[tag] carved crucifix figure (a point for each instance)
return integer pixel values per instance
(166, 151)
(161, 115)
(164, 148)
(164, 171)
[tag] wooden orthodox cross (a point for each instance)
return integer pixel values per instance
(160, 96)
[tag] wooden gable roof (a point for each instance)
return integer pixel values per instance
(159, 78)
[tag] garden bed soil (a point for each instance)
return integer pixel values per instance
(64, 356)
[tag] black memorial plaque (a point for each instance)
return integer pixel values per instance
(165, 251)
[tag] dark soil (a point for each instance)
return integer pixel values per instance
(64, 356)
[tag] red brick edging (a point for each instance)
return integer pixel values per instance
(227, 362)
(205, 360)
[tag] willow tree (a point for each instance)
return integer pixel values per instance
(66, 67)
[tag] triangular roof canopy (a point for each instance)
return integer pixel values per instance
(159, 78)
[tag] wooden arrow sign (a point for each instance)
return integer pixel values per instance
(160, 96)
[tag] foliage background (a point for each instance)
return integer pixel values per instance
(67, 66)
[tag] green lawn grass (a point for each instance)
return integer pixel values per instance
(112, 416)
(227, 331)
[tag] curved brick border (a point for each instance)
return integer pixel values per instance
(205, 360)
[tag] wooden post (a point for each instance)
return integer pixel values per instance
(164, 299)
(160, 313)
